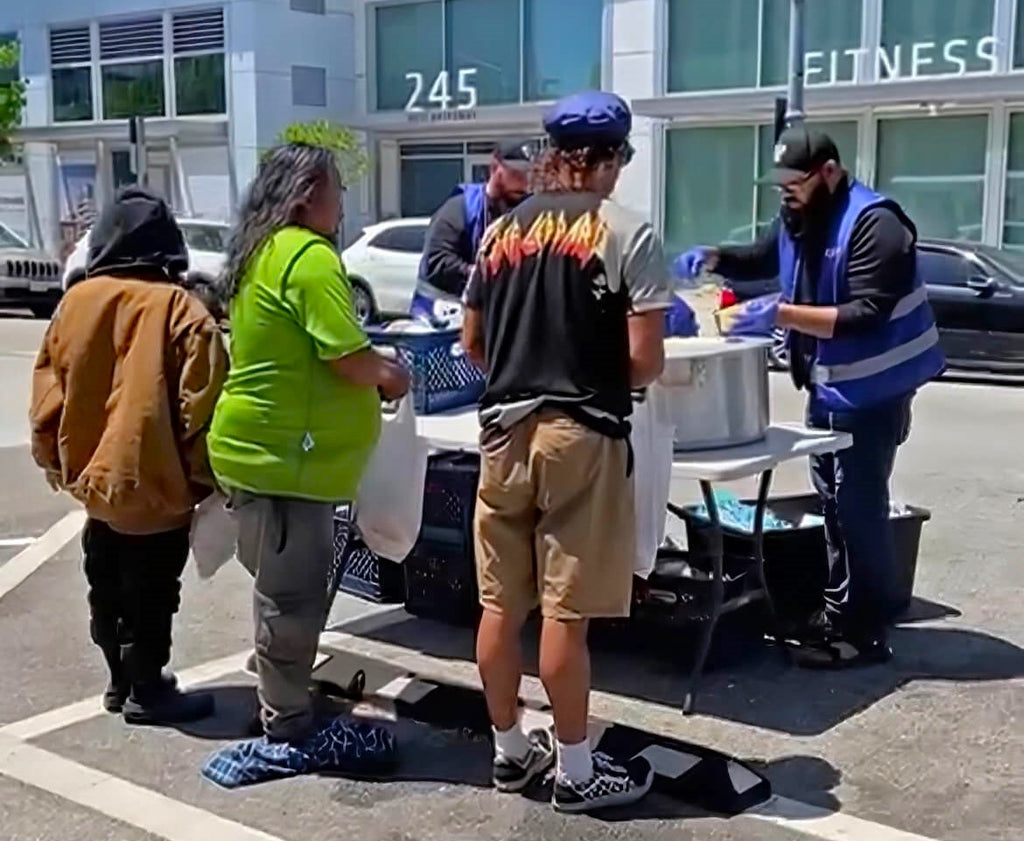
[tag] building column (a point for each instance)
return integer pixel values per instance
(44, 186)
(634, 76)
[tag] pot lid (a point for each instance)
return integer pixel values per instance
(698, 347)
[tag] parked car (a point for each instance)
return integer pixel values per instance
(976, 292)
(28, 277)
(206, 240)
(382, 264)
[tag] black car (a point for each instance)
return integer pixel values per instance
(976, 292)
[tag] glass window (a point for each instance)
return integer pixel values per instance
(205, 237)
(930, 37)
(555, 65)
(199, 84)
(427, 182)
(935, 168)
(939, 268)
(843, 133)
(1018, 38)
(309, 86)
(709, 189)
(706, 56)
(484, 35)
(9, 74)
(313, 7)
(72, 93)
(1013, 226)
(406, 238)
(833, 42)
(408, 40)
(134, 89)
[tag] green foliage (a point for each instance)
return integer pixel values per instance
(353, 162)
(12, 95)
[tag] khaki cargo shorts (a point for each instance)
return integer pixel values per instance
(554, 521)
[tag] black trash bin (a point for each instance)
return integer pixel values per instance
(796, 559)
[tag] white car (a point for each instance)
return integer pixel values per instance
(382, 265)
(28, 277)
(205, 239)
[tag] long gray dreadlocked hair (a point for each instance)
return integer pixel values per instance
(286, 179)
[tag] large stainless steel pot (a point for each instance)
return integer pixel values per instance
(715, 391)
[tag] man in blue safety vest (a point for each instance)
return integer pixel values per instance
(861, 340)
(458, 226)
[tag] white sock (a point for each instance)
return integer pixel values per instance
(575, 762)
(511, 743)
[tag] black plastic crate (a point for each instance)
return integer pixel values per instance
(440, 581)
(449, 495)
(357, 571)
(440, 574)
(796, 560)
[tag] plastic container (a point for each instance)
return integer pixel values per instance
(796, 559)
(443, 377)
(440, 574)
(359, 572)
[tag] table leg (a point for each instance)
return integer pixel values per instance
(773, 616)
(717, 595)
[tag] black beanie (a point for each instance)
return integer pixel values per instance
(137, 231)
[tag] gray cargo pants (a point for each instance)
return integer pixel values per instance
(287, 544)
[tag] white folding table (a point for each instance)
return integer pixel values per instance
(459, 430)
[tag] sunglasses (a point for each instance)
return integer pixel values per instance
(790, 186)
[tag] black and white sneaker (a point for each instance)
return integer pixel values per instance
(612, 784)
(516, 774)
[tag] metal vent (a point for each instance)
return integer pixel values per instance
(132, 38)
(70, 46)
(199, 31)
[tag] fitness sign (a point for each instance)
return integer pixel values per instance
(918, 60)
(448, 97)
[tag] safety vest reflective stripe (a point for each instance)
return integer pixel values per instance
(908, 303)
(827, 374)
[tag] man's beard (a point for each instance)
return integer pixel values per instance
(804, 222)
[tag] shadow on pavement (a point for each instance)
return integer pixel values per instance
(749, 682)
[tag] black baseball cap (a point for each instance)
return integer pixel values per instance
(516, 154)
(799, 151)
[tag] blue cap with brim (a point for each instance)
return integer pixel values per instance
(588, 118)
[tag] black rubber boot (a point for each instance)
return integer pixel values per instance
(118, 685)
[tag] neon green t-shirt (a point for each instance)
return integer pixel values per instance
(286, 424)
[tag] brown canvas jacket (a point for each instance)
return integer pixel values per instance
(123, 390)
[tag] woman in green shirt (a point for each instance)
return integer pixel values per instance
(298, 417)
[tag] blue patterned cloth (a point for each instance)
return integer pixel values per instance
(739, 515)
(343, 745)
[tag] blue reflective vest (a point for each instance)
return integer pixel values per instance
(864, 370)
(474, 208)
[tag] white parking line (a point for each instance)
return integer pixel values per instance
(28, 560)
(58, 719)
(13, 542)
(176, 821)
(119, 799)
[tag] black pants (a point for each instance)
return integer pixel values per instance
(134, 592)
(854, 489)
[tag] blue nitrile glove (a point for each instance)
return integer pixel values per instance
(680, 320)
(689, 265)
(755, 317)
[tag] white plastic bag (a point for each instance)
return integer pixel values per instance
(389, 504)
(214, 535)
(652, 440)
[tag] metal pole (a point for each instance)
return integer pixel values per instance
(795, 110)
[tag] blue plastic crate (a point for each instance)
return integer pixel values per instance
(443, 377)
(356, 570)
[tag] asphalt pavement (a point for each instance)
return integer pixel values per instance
(927, 748)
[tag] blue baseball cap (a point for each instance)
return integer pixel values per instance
(588, 118)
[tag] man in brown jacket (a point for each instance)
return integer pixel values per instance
(124, 387)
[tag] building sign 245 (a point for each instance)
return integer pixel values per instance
(442, 94)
